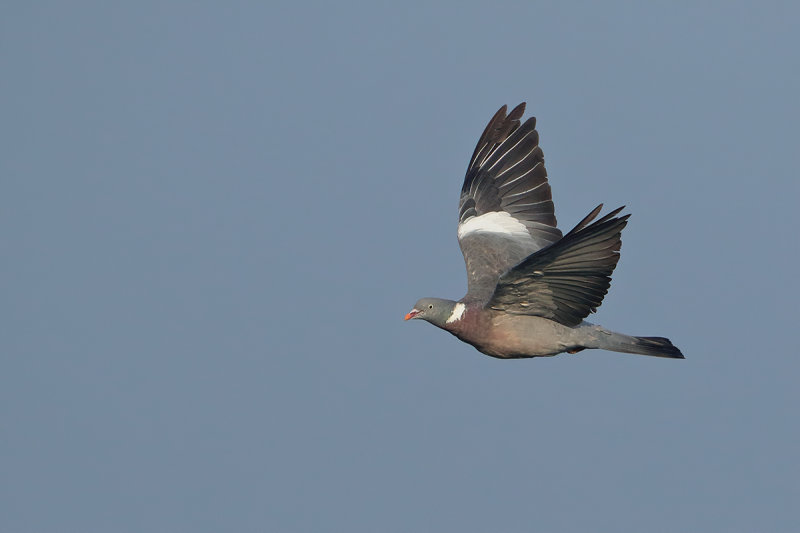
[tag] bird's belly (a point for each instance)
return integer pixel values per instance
(516, 336)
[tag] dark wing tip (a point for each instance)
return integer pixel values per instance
(497, 130)
(591, 216)
(586, 220)
(612, 214)
(517, 112)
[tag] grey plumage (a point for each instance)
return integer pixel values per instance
(567, 280)
(505, 175)
(529, 287)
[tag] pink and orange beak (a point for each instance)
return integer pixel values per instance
(411, 314)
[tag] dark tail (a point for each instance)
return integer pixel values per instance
(657, 347)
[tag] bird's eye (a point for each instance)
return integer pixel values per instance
(430, 306)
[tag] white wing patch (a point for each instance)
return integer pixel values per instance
(494, 222)
(458, 312)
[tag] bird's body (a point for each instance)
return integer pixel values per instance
(507, 336)
(529, 287)
(513, 336)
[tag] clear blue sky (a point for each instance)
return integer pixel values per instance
(215, 215)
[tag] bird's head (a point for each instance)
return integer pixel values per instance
(434, 310)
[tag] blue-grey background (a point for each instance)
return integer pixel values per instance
(213, 217)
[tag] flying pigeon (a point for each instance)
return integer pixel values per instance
(529, 288)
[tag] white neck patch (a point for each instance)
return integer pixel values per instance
(458, 312)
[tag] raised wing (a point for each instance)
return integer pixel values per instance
(506, 209)
(567, 280)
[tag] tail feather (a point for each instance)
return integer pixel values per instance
(657, 347)
(654, 346)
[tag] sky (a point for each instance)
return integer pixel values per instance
(213, 217)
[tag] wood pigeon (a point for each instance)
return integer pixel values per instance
(529, 287)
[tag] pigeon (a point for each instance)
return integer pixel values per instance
(529, 287)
